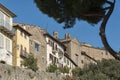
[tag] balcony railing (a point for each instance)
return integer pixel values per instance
(54, 51)
(24, 54)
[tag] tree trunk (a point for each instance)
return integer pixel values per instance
(102, 31)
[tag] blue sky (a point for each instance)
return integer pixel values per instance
(28, 13)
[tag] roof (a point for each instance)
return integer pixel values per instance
(19, 27)
(70, 59)
(83, 53)
(60, 43)
(64, 40)
(7, 11)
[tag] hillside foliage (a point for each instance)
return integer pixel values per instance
(104, 70)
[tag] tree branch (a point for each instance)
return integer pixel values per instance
(102, 32)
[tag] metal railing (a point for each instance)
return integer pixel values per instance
(24, 54)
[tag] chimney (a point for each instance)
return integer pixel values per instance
(55, 34)
(67, 36)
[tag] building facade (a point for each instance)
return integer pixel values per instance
(21, 48)
(68, 52)
(19, 40)
(6, 34)
(94, 53)
(37, 44)
(56, 52)
(84, 54)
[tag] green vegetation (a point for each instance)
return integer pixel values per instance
(31, 75)
(91, 11)
(51, 68)
(69, 78)
(64, 69)
(9, 71)
(104, 70)
(30, 63)
(76, 71)
(68, 11)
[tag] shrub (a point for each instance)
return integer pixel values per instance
(9, 71)
(64, 69)
(0, 76)
(69, 78)
(51, 68)
(76, 71)
(31, 75)
(104, 70)
(30, 63)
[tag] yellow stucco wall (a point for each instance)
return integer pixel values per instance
(20, 40)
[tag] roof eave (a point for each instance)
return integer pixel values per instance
(7, 11)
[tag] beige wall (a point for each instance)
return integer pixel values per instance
(75, 51)
(75, 48)
(37, 37)
(97, 54)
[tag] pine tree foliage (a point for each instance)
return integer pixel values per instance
(68, 11)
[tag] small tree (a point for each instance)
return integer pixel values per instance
(30, 63)
(64, 69)
(76, 71)
(52, 68)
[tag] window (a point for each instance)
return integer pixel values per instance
(76, 59)
(48, 41)
(50, 57)
(30, 42)
(7, 22)
(36, 47)
(21, 33)
(1, 41)
(25, 36)
(25, 49)
(21, 49)
(67, 61)
(43, 59)
(1, 19)
(56, 47)
(8, 44)
(106, 53)
(82, 61)
(64, 59)
(53, 46)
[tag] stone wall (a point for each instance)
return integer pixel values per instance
(15, 73)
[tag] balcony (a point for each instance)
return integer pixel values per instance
(5, 27)
(54, 51)
(24, 54)
(60, 54)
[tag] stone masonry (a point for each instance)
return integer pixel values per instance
(8, 72)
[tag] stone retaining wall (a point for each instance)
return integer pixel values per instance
(15, 73)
